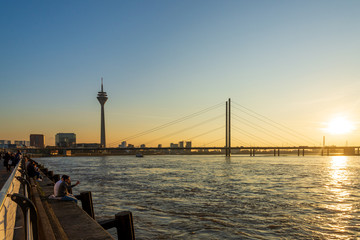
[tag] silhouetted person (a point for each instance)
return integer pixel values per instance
(7, 158)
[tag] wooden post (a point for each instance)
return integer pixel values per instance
(125, 226)
(87, 203)
(50, 174)
(298, 151)
(254, 152)
(303, 151)
(56, 178)
(278, 151)
(274, 152)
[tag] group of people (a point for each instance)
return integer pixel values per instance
(62, 188)
(32, 169)
(11, 159)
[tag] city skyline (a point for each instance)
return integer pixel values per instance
(293, 62)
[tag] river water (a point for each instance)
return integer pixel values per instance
(214, 197)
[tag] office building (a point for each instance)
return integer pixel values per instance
(123, 144)
(37, 140)
(65, 140)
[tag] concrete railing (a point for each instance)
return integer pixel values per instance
(8, 206)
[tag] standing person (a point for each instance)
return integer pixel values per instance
(7, 158)
(18, 157)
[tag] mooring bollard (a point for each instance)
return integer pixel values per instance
(50, 174)
(87, 203)
(56, 178)
(124, 225)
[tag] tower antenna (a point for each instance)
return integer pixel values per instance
(102, 85)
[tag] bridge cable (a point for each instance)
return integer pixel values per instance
(186, 129)
(169, 123)
(264, 130)
(287, 129)
(267, 143)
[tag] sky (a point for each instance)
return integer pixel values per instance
(294, 62)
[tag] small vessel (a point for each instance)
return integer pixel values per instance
(139, 155)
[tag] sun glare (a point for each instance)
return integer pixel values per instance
(339, 125)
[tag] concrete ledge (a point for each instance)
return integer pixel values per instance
(67, 219)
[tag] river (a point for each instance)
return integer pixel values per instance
(214, 197)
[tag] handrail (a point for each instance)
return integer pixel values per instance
(4, 190)
(7, 206)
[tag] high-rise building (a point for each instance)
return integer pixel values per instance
(188, 144)
(102, 98)
(37, 140)
(65, 140)
(181, 144)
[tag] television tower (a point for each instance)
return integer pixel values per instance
(102, 98)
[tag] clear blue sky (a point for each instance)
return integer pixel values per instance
(296, 62)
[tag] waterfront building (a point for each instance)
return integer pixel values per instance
(174, 145)
(130, 146)
(142, 145)
(65, 140)
(5, 143)
(188, 144)
(37, 140)
(22, 143)
(102, 98)
(160, 146)
(181, 144)
(123, 144)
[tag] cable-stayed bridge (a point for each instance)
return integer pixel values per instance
(225, 128)
(229, 124)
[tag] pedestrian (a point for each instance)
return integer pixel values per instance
(7, 158)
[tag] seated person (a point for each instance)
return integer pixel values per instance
(31, 171)
(61, 190)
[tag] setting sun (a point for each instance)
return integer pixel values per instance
(339, 125)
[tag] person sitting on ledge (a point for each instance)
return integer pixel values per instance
(31, 170)
(61, 189)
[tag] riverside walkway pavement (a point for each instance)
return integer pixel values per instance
(57, 219)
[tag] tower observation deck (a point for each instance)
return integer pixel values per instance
(102, 98)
